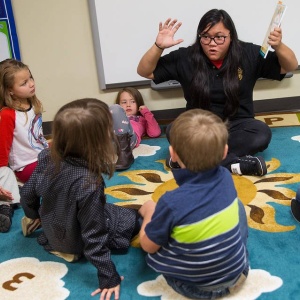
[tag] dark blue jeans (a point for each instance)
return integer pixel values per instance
(195, 291)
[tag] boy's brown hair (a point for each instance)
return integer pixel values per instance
(199, 138)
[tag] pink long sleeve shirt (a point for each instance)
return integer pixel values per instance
(144, 125)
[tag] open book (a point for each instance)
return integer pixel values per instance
(275, 22)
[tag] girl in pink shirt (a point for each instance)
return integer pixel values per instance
(132, 120)
(140, 118)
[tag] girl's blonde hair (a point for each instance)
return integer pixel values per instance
(137, 96)
(83, 128)
(199, 138)
(8, 68)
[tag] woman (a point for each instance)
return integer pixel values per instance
(218, 73)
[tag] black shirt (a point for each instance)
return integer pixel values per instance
(177, 66)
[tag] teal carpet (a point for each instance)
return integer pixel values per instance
(28, 272)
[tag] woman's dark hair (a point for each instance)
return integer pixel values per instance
(200, 91)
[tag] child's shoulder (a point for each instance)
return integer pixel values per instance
(7, 111)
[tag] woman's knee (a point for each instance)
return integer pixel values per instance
(168, 131)
(264, 137)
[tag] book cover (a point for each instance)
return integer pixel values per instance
(275, 22)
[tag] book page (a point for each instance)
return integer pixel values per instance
(275, 22)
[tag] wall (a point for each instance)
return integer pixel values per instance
(56, 42)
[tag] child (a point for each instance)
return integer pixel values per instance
(131, 123)
(21, 138)
(75, 217)
(9, 196)
(196, 235)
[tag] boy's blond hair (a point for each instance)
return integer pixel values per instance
(199, 138)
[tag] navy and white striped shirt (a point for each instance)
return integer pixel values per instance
(197, 226)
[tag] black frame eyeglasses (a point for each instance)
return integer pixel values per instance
(206, 40)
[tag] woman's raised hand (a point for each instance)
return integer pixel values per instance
(165, 37)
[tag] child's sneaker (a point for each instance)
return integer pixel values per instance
(295, 206)
(250, 165)
(6, 213)
(30, 225)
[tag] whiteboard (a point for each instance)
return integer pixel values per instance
(123, 30)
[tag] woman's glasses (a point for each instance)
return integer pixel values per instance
(219, 39)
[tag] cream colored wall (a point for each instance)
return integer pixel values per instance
(56, 42)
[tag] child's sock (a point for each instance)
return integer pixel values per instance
(66, 256)
(30, 225)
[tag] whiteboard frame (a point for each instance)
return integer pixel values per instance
(98, 53)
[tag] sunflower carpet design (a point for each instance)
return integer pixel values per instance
(28, 272)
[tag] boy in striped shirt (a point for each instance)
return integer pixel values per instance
(196, 235)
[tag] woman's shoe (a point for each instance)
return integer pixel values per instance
(171, 164)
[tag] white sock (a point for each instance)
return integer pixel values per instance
(235, 168)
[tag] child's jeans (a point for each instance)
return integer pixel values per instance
(121, 123)
(195, 291)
